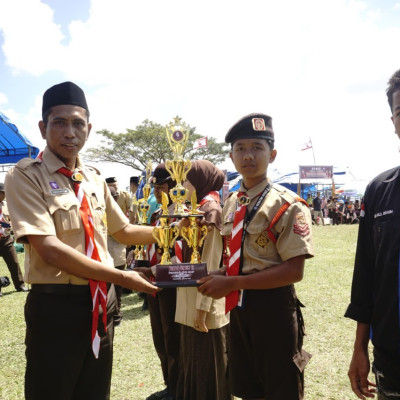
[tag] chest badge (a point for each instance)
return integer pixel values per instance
(262, 240)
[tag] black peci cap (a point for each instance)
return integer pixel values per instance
(1, 187)
(250, 127)
(111, 180)
(160, 175)
(134, 179)
(64, 93)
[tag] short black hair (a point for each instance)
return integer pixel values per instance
(393, 86)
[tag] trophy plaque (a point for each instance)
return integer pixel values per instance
(182, 274)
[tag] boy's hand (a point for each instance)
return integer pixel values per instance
(216, 286)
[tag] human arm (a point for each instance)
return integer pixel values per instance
(360, 365)
(56, 253)
(135, 234)
(286, 273)
(211, 255)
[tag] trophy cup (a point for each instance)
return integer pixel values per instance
(183, 274)
(165, 234)
(178, 167)
(142, 216)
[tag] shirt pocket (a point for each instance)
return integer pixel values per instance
(258, 243)
(65, 212)
(99, 211)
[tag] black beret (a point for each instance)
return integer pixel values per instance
(134, 179)
(251, 126)
(111, 180)
(160, 175)
(64, 93)
(1, 187)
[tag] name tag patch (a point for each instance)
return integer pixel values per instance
(59, 191)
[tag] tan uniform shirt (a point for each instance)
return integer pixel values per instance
(190, 299)
(41, 201)
(293, 230)
(124, 201)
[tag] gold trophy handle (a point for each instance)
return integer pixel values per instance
(175, 231)
(184, 234)
(203, 233)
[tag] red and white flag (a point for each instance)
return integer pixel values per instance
(202, 142)
(307, 145)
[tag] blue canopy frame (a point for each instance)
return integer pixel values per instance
(13, 144)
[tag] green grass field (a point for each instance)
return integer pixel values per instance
(325, 290)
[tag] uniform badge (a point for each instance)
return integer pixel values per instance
(231, 216)
(243, 200)
(258, 124)
(54, 185)
(77, 177)
(262, 240)
(300, 226)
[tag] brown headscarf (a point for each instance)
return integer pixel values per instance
(206, 177)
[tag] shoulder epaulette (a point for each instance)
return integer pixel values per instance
(27, 162)
(93, 169)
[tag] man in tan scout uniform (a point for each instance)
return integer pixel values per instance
(265, 353)
(62, 210)
(124, 198)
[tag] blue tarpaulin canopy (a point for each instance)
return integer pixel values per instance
(13, 144)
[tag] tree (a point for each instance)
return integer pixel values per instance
(149, 142)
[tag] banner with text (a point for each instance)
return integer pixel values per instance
(316, 171)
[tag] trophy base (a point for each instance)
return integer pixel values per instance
(138, 263)
(179, 275)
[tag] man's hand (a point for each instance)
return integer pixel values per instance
(135, 281)
(216, 286)
(358, 375)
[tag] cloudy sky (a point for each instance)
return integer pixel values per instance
(318, 67)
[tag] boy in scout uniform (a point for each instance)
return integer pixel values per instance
(266, 358)
(62, 210)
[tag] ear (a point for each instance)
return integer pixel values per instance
(230, 155)
(42, 128)
(89, 129)
(272, 156)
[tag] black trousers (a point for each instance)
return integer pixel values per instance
(166, 334)
(9, 254)
(265, 354)
(60, 363)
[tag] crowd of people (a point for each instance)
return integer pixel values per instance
(240, 331)
(334, 211)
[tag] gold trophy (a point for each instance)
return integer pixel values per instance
(193, 234)
(165, 234)
(183, 274)
(142, 217)
(178, 168)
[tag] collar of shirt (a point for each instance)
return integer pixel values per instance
(53, 163)
(256, 190)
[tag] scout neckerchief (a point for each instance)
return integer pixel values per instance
(98, 289)
(210, 196)
(237, 239)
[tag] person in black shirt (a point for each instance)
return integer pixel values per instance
(376, 284)
(318, 209)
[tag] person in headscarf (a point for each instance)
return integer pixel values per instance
(203, 323)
